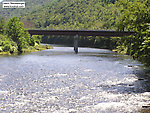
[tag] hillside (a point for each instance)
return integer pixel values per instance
(75, 14)
(65, 14)
(30, 6)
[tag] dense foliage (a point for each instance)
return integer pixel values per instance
(31, 5)
(2, 25)
(135, 16)
(14, 38)
(75, 14)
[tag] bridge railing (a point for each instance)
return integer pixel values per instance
(82, 32)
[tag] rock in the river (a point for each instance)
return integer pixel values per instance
(140, 78)
(146, 106)
(130, 65)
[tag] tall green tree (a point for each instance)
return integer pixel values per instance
(17, 33)
(135, 16)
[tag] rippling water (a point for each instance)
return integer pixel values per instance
(57, 80)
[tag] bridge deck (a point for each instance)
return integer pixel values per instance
(81, 32)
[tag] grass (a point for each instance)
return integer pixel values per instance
(37, 48)
(30, 49)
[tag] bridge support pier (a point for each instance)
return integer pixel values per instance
(76, 43)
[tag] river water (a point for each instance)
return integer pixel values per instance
(59, 81)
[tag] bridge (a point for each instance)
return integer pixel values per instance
(77, 33)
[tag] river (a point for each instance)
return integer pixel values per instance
(59, 81)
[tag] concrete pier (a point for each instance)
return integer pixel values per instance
(76, 44)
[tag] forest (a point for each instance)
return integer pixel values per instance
(121, 15)
(31, 5)
(135, 16)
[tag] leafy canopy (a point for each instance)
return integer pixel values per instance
(135, 16)
(17, 33)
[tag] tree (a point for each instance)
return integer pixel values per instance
(17, 33)
(135, 16)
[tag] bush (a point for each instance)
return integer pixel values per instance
(18, 34)
(13, 49)
(7, 47)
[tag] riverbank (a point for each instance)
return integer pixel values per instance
(14, 39)
(37, 48)
(29, 49)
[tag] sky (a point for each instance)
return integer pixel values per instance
(1, 0)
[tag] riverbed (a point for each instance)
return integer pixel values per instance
(60, 81)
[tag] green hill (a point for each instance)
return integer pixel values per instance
(65, 14)
(75, 14)
(30, 6)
